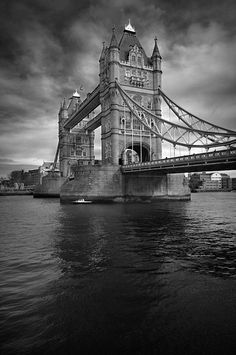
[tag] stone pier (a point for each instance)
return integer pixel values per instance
(108, 184)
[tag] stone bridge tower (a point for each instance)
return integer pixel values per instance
(76, 146)
(126, 62)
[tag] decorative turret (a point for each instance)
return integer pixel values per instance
(76, 97)
(114, 58)
(156, 58)
(75, 101)
(102, 56)
(113, 43)
(63, 113)
(156, 62)
(156, 53)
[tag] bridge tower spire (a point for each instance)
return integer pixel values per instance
(63, 137)
(157, 73)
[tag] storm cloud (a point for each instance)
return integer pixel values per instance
(50, 48)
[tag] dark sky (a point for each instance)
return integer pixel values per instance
(50, 47)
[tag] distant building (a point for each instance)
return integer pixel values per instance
(20, 178)
(211, 185)
(226, 182)
(211, 182)
(205, 177)
(233, 183)
(32, 177)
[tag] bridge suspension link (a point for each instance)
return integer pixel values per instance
(177, 134)
(192, 120)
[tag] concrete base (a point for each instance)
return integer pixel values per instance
(50, 187)
(108, 184)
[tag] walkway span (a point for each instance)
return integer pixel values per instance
(88, 105)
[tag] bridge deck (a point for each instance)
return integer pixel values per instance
(218, 160)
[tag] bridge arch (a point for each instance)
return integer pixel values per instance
(135, 152)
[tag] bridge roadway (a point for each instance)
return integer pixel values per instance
(217, 160)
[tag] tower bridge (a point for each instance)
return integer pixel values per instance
(128, 102)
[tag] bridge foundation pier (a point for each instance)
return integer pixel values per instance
(94, 183)
(50, 187)
(107, 184)
(149, 186)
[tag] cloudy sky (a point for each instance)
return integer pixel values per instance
(50, 47)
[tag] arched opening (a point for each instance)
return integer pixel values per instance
(135, 154)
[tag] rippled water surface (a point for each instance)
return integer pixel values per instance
(118, 279)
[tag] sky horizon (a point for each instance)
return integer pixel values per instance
(51, 48)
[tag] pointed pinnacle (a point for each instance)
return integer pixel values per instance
(113, 42)
(156, 52)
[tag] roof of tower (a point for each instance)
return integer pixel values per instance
(129, 40)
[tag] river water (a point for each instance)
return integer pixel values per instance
(118, 279)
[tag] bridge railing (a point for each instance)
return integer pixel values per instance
(185, 158)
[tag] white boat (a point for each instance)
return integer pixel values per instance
(82, 200)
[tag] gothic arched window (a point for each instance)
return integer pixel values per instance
(133, 59)
(139, 60)
(122, 121)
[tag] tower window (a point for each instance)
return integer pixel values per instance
(127, 73)
(139, 61)
(79, 152)
(133, 59)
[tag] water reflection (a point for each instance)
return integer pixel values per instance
(118, 279)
